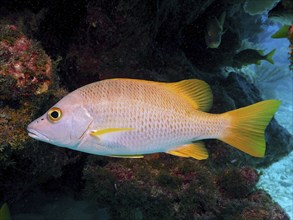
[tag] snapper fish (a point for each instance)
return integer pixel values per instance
(251, 56)
(128, 118)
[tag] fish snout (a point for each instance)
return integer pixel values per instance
(33, 132)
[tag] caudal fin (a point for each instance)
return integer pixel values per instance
(247, 126)
(269, 56)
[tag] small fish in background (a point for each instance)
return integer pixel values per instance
(4, 212)
(214, 31)
(251, 56)
(283, 32)
(128, 118)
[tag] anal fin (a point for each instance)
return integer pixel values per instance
(195, 150)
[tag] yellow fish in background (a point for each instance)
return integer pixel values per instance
(129, 118)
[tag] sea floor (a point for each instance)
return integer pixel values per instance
(277, 180)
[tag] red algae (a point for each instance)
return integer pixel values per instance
(24, 64)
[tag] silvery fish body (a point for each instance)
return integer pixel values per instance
(129, 118)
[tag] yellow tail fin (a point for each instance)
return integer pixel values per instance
(247, 127)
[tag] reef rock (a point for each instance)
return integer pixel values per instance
(25, 68)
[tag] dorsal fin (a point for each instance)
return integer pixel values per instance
(196, 92)
(196, 150)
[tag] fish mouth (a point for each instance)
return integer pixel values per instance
(37, 135)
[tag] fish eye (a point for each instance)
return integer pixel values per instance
(54, 114)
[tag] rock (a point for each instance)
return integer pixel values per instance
(26, 69)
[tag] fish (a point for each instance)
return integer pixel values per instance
(129, 118)
(251, 56)
(283, 32)
(214, 31)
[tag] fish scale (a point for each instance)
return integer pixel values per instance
(150, 111)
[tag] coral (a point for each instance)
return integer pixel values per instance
(25, 68)
(13, 124)
(175, 188)
(254, 212)
(261, 211)
(26, 76)
(238, 183)
(151, 189)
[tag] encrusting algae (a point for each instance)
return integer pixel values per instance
(111, 117)
(25, 68)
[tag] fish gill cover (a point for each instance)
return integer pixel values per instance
(87, 41)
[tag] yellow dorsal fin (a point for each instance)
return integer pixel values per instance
(126, 156)
(196, 150)
(98, 133)
(195, 91)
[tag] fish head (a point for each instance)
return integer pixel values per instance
(64, 124)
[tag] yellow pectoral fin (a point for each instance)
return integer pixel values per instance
(99, 133)
(126, 156)
(196, 150)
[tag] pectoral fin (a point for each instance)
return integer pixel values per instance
(196, 150)
(99, 133)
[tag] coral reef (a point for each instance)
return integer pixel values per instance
(25, 68)
(27, 79)
(158, 40)
(152, 188)
(238, 183)
(175, 188)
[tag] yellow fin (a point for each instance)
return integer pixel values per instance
(196, 92)
(99, 133)
(269, 56)
(126, 156)
(283, 32)
(4, 212)
(247, 127)
(196, 150)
